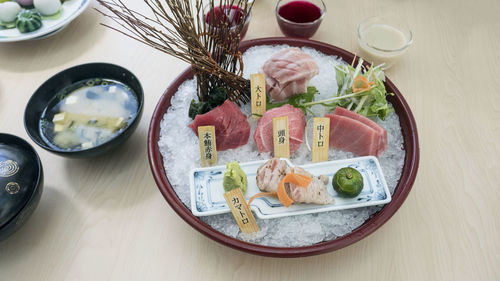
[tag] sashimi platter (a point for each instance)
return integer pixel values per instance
(378, 153)
(277, 146)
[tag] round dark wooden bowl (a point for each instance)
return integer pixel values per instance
(408, 127)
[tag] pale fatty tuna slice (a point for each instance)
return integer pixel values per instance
(263, 135)
(287, 73)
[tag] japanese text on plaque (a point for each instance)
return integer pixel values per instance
(258, 94)
(321, 139)
(240, 210)
(281, 137)
(208, 148)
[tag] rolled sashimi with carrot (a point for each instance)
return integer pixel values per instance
(291, 184)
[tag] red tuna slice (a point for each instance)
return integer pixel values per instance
(231, 126)
(382, 145)
(263, 135)
(352, 135)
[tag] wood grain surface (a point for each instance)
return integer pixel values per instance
(104, 218)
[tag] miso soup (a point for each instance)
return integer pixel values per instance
(87, 114)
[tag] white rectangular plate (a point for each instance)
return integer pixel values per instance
(207, 193)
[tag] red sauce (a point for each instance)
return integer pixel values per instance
(300, 11)
(302, 19)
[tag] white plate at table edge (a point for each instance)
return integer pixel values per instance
(44, 31)
(268, 208)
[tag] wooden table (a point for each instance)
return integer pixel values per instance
(104, 218)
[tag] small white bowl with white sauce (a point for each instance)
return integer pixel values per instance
(384, 40)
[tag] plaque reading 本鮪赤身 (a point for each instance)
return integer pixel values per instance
(208, 148)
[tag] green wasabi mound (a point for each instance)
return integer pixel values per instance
(234, 177)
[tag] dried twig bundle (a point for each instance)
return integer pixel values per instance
(205, 37)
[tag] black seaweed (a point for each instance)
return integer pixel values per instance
(216, 97)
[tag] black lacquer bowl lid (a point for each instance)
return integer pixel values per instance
(20, 176)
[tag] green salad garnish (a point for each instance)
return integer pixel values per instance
(360, 90)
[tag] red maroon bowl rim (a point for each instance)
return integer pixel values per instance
(410, 136)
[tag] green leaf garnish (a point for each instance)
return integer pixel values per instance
(298, 101)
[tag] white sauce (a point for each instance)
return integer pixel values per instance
(382, 43)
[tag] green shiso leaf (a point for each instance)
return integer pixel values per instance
(298, 101)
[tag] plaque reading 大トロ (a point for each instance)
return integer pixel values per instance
(258, 94)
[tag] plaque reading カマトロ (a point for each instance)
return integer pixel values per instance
(241, 212)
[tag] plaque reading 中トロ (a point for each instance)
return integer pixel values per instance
(321, 139)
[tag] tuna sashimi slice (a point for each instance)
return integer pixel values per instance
(287, 73)
(382, 146)
(285, 91)
(232, 129)
(291, 64)
(263, 135)
(352, 135)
